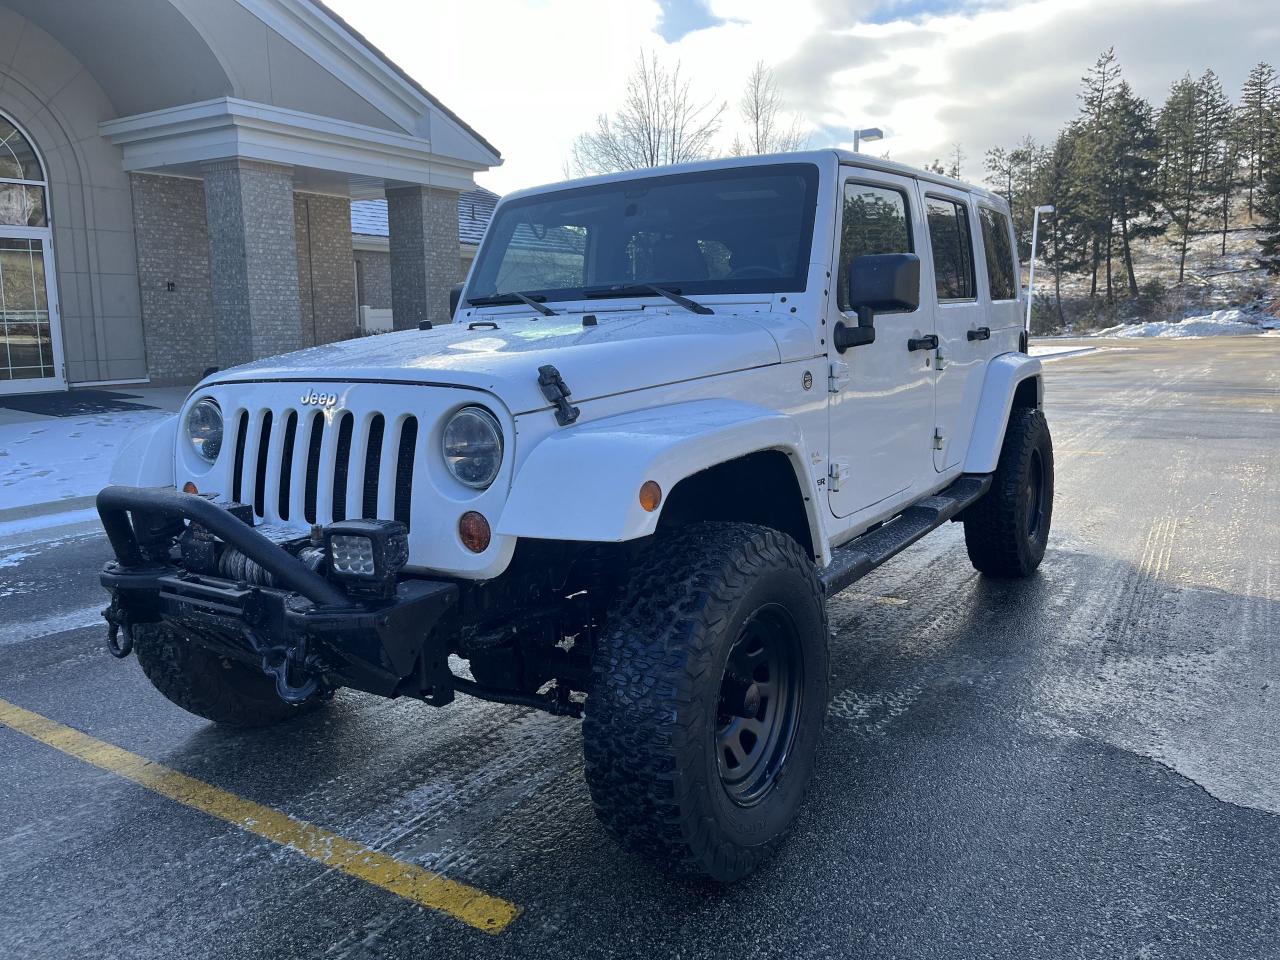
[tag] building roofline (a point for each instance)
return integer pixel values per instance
(399, 71)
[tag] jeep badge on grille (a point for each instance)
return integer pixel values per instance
(314, 399)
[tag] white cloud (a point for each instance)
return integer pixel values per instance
(532, 74)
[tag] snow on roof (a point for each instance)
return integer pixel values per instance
(475, 207)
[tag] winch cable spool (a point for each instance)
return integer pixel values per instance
(234, 565)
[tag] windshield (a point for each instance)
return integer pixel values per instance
(742, 230)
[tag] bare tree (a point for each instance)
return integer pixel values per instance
(660, 121)
(763, 113)
(958, 157)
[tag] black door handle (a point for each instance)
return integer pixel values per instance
(927, 342)
(982, 333)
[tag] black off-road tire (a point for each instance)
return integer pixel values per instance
(654, 711)
(1008, 529)
(201, 682)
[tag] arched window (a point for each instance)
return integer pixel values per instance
(30, 341)
(22, 184)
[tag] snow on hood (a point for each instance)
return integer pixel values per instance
(623, 352)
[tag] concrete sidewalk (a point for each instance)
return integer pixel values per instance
(55, 465)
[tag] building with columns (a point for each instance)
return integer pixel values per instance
(176, 187)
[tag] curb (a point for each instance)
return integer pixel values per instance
(32, 510)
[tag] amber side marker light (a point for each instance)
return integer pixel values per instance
(473, 531)
(190, 487)
(650, 495)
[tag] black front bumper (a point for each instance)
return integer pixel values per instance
(388, 646)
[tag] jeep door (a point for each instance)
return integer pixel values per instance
(963, 323)
(881, 404)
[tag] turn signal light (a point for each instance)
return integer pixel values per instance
(474, 532)
(650, 496)
(190, 487)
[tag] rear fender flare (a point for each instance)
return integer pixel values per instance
(1004, 374)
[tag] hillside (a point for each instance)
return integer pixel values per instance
(1214, 281)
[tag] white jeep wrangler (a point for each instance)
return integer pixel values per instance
(675, 412)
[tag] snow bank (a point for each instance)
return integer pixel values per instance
(1221, 323)
(47, 460)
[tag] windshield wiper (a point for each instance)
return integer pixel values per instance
(631, 289)
(500, 298)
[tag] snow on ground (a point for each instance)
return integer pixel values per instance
(1233, 322)
(60, 459)
(1047, 352)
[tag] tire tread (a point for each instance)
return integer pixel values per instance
(656, 654)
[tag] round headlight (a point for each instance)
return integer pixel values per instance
(204, 429)
(472, 446)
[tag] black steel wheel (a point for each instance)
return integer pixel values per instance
(1007, 531)
(1034, 494)
(709, 688)
(759, 704)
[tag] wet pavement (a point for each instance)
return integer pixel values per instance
(1086, 764)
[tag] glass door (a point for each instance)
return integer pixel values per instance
(27, 358)
(30, 347)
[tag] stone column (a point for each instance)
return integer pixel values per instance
(423, 227)
(253, 260)
(326, 267)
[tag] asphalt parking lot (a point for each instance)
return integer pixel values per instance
(1086, 764)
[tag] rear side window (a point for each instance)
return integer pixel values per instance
(874, 221)
(952, 248)
(999, 251)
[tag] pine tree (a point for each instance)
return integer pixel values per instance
(1256, 121)
(1014, 175)
(1135, 198)
(1094, 161)
(1181, 181)
(1025, 161)
(1216, 142)
(1269, 207)
(1066, 239)
(1000, 172)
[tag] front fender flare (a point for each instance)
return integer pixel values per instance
(1004, 373)
(583, 483)
(146, 459)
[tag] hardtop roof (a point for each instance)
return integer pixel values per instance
(820, 157)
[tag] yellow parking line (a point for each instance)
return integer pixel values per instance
(471, 906)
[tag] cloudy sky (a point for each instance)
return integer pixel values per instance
(532, 74)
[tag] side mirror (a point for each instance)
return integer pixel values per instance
(876, 283)
(455, 295)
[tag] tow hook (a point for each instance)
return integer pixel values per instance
(282, 663)
(119, 632)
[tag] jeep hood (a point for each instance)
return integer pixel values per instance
(621, 353)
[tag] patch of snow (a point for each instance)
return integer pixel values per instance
(1047, 353)
(81, 619)
(15, 558)
(50, 460)
(1233, 322)
(870, 713)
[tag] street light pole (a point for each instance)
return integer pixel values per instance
(1035, 240)
(868, 134)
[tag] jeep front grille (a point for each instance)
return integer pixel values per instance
(306, 466)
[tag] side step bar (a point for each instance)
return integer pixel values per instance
(858, 557)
